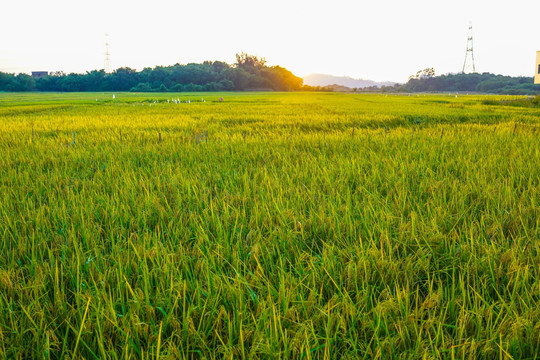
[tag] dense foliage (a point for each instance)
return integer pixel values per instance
(248, 73)
(482, 83)
(268, 225)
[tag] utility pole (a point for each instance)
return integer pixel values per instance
(468, 65)
(108, 68)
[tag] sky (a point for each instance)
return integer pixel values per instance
(384, 40)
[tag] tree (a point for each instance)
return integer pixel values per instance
(24, 82)
(95, 80)
(142, 87)
(250, 63)
(122, 79)
(6, 81)
(281, 79)
(427, 73)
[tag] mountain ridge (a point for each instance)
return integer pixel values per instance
(327, 80)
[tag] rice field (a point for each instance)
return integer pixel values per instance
(269, 225)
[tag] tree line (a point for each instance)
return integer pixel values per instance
(426, 81)
(248, 73)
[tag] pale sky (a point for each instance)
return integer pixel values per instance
(375, 40)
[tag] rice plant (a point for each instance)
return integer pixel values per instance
(268, 225)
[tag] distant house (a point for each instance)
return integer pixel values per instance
(39, 74)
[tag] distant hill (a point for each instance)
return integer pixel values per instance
(339, 88)
(326, 80)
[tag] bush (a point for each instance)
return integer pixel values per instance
(141, 87)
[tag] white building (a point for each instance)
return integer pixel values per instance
(537, 69)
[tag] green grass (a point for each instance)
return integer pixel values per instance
(269, 225)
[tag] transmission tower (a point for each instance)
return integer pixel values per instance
(468, 65)
(108, 68)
